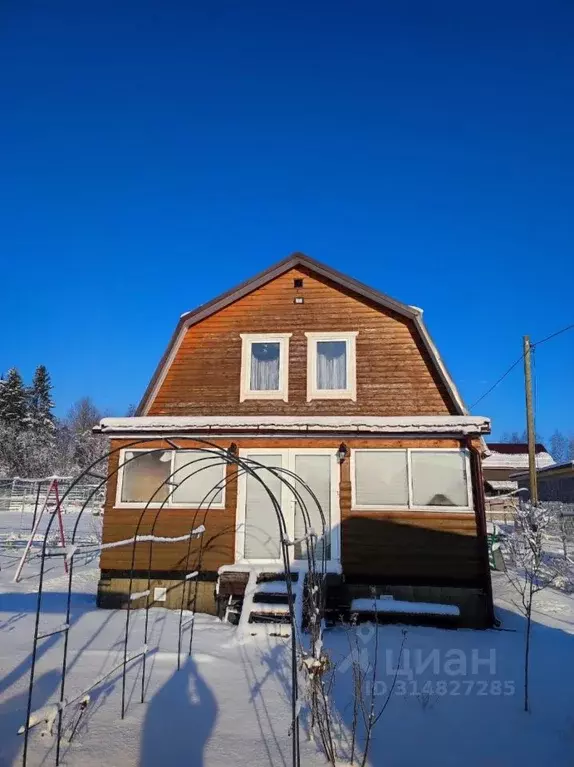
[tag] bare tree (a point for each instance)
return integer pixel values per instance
(531, 571)
(517, 438)
(85, 447)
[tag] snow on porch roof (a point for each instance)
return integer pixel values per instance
(450, 424)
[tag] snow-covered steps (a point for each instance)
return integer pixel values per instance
(263, 612)
(276, 587)
(267, 599)
(258, 598)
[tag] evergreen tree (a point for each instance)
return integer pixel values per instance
(40, 416)
(13, 410)
(33, 442)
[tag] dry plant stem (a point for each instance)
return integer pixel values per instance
(374, 718)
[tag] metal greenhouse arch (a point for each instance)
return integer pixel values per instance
(210, 454)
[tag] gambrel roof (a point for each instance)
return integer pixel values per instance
(338, 278)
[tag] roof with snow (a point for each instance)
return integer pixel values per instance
(191, 318)
(554, 468)
(514, 447)
(189, 425)
(514, 455)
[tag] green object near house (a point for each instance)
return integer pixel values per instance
(495, 558)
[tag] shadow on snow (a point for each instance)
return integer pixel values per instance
(179, 720)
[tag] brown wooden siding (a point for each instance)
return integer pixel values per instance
(394, 373)
(396, 546)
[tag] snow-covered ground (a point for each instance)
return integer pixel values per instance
(457, 700)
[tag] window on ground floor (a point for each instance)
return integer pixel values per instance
(413, 478)
(188, 478)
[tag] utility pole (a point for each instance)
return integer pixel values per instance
(527, 346)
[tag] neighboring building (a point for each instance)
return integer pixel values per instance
(305, 368)
(555, 482)
(505, 459)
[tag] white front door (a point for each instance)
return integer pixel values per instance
(316, 481)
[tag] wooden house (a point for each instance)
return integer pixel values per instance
(505, 459)
(555, 482)
(305, 368)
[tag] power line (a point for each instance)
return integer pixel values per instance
(514, 364)
(558, 332)
(500, 380)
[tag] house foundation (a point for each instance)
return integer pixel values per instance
(114, 593)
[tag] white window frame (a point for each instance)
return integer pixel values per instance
(170, 503)
(288, 500)
(351, 391)
(247, 339)
(410, 505)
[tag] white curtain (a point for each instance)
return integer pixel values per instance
(331, 365)
(264, 367)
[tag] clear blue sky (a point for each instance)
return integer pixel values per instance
(155, 154)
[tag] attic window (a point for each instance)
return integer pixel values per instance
(331, 366)
(264, 366)
(298, 282)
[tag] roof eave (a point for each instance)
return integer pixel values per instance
(444, 426)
